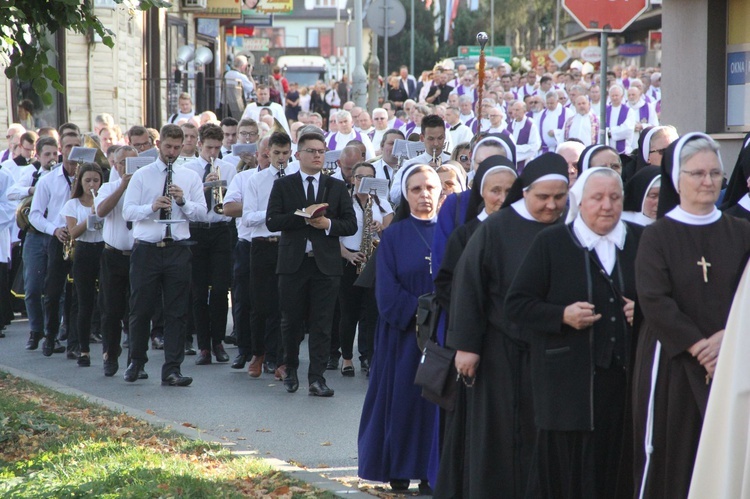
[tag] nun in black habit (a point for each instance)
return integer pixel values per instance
(642, 196)
(574, 296)
(489, 439)
(688, 266)
(736, 199)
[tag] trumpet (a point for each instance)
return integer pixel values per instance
(437, 156)
(217, 191)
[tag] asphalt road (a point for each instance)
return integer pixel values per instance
(258, 415)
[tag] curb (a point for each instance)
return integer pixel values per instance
(309, 477)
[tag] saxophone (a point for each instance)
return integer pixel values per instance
(367, 245)
(69, 249)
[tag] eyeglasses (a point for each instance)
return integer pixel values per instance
(700, 174)
(314, 151)
(378, 119)
(248, 134)
(140, 147)
(463, 157)
(660, 152)
(360, 177)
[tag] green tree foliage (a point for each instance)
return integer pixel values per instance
(24, 44)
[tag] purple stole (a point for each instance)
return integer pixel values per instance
(371, 135)
(410, 128)
(620, 144)
(643, 113)
(398, 124)
(526, 91)
(626, 83)
(460, 91)
(471, 124)
(560, 126)
(332, 142)
(523, 138)
(658, 106)
(5, 155)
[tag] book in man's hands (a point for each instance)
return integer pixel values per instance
(312, 211)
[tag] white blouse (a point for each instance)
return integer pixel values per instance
(74, 209)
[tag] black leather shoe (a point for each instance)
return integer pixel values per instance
(48, 347)
(424, 488)
(240, 361)
(291, 383)
(333, 364)
(72, 354)
(365, 365)
(204, 358)
(177, 379)
(133, 371)
(111, 367)
(142, 374)
(220, 353)
(84, 361)
(58, 347)
(320, 389)
(33, 342)
(400, 485)
(231, 338)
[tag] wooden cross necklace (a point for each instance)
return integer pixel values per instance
(703, 263)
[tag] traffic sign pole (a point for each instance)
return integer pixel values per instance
(603, 91)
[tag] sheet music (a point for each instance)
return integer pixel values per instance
(82, 154)
(415, 149)
(134, 163)
(238, 149)
(151, 153)
(399, 148)
(332, 156)
(378, 185)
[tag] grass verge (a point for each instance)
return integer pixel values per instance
(57, 446)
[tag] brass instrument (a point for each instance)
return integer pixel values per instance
(437, 156)
(24, 207)
(168, 233)
(69, 249)
(367, 245)
(217, 190)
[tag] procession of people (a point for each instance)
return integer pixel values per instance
(578, 275)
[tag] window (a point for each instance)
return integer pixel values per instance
(322, 39)
(325, 3)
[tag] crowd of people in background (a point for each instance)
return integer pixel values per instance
(561, 251)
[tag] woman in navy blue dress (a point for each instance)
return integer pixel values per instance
(396, 429)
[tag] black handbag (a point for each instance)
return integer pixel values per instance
(436, 374)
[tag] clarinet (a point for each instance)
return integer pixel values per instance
(282, 166)
(168, 215)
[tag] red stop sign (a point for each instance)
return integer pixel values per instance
(605, 15)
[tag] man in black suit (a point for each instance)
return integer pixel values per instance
(309, 262)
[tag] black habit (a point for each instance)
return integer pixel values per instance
(579, 378)
(492, 427)
(679, 310)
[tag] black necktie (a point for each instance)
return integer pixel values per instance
(310, 191)
(207, 193)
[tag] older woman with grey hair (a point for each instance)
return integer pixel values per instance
(688, 266)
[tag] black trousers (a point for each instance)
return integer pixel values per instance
(85, 272)
(54, 287)
(6, 308)
(212, 267)
(152, 270)
(114, 292)
(265, 315)
(241, 302)
(308, 293)
(357, 307)
(16, 260)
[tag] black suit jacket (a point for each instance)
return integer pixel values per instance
(288, 195)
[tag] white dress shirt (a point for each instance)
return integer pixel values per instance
(115, 232)
(146, 185)
(20, 189)
(227, 172)
(383, 170)
(255, 195)
(52, 192)
(74, 209)
(316, 184)
(234, 195)
(525, 152)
